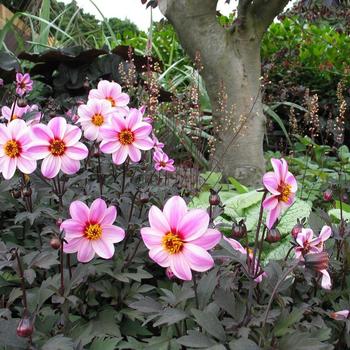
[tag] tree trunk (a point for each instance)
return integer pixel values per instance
(231, 65)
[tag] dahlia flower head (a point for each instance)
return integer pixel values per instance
(163, 162)
(15, 142)
(179, 238)
(23, 84)
(282, 186)
(57, 143)
(308, 244)
(91, 231)
(126, 137)
(111, 92)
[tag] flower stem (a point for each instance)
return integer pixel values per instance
(21, 276)
(195, 290)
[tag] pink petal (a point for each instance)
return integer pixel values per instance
(134, 153)
(142, 130)
(284, 169)
(326, 282)
(174, 210)
(209, 240)
(91, 133)
(197, 258)
(272, 216)
(144, 144)
(133, 119)
(118, 123)
(277, 167)
(103, 248)
(43, 133)
(38, 151)
(158, 220)
(290, 180)
(151, 237)
(9, 167)
(69, 166)
(160, 256)
(340, 315)
(50, 166)
(193, 225)
(109, 216)
(108, 133)
(123, 99)
(270, 202)
(97, 211)
(17, 128)
(270, 181)
(77, 152)
(72, 135)
(108, 146)
(79, 211)
(86, 251)
(305, 235)
(26, 166)
(180, 267)
(73, 245)
(236, 245)
(4, 134)
(112, 234)
(73, 227)
(120, 156)
(58, 126)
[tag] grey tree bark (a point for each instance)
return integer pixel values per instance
(231, 63)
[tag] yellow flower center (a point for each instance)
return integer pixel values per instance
(112, 101)
(97, 119)
(93, 231)
(14, 116)
(57, 147)
(172, 243)
(126, 137)
(12, 149)
(285, 190)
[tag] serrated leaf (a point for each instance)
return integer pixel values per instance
(210, 323)
(196, 340)
(243, 344)
(206, 287)
(147, 305)
(59, 343)
(286, 320)
(170, 316)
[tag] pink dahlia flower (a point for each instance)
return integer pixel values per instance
(23, 84)
(20, 113)
(125, 137)
(238, 247)
(14, 143)
(91, 230)
(308, 244)
(112, 92)
(179, 238)
(58, 144)
(340, 315)
(158, 146)
(282, 185)
(162, 162)
(94, 115)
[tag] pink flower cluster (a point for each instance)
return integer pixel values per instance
(160, 158)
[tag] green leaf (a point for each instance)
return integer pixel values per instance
(238, 186)
(243, 344)
(59, 343)
(8, 336)
(104, 344)
(196, 340)
(335, 215)
(206, 287)
(210, 323)
(302, 341)
(170, 316)
(344, 206)
(287, 320)
(243, 201)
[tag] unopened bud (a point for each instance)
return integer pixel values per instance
(55, 243)
(22, 102)
(239, 230)
(317, 261)
(25, 327)
(273, 235)
(169, 273)
(214, 198)
(328, 195)
(296, 230)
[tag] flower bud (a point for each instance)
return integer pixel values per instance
(16, 194)
(239, 230)
(296, 230)
(22, 102)
(214, 198)
(344, 197)
(144, 197)
(55, 243)
(317, 261)
(25, 327)
(169, 273)
(328, 195)
(273, 235)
